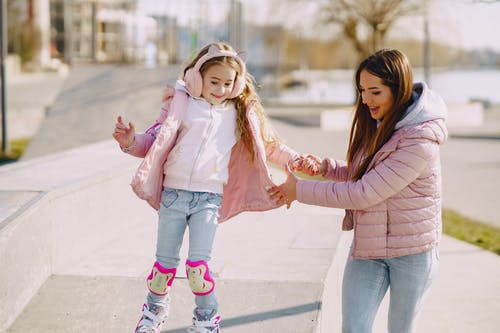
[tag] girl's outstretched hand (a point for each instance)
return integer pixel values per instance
(124, 134)
(285, 193)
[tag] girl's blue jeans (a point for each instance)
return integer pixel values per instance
(366, 281)
(199, 212)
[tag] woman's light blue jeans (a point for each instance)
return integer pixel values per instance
(180, 209)
(366, 282)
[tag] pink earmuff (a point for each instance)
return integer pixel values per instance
(194, 81)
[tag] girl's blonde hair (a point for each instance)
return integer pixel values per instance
(242, 102)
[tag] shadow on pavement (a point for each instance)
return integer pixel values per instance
(257, 317)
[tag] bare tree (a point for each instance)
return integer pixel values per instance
(366, 22)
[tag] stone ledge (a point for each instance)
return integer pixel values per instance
(53, 205)
(14, 203)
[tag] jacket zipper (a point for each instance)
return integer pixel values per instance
(203, 142)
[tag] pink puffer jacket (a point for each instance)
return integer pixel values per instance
(395, 208)
(247, 183)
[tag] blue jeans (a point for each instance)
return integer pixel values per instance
(366, 281)
(180, 209)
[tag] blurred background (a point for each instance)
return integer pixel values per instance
(300, 52)
(70, 67)
(283, 39)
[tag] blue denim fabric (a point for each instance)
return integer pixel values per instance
(180, 209)
(366, 281)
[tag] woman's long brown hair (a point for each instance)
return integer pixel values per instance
(366, 138)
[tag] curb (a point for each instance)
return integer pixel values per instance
(330, 316)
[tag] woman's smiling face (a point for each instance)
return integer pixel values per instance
(375, 95)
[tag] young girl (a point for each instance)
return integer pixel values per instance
(204, 162)
(391, 190)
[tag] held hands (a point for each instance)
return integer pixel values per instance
(285, 193)
(309, 164)
(124, 134)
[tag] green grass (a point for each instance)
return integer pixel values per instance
(474, 232)
(16, 149)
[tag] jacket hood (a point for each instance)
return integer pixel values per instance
(427, 107)
(181, 85)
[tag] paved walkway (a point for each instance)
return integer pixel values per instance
(28, 96)
(271, 265)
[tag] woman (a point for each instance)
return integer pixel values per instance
(390, 187)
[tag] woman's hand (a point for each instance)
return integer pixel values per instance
(124, 134)
(285, 193)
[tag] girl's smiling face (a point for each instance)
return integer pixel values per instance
(375, 95)
(218, 82)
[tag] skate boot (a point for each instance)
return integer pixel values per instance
(205, 321)
(153, 317)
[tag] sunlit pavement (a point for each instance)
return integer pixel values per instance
(265, 297)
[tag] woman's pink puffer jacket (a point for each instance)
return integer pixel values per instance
(395, 208)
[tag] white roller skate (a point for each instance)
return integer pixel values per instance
(152, 319)
(205, 321)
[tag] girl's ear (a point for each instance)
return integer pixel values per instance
(238, 87)
(194, 82)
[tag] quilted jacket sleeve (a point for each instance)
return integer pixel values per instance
(389, 175)
(335, 169)
(279, 153)
(143, 141)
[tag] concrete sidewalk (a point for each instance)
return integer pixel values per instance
(270, 266)
(278, 270)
